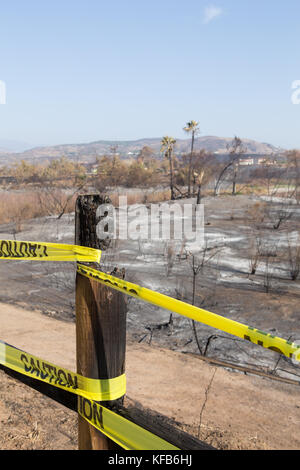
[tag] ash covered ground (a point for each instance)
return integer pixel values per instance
(267, 300)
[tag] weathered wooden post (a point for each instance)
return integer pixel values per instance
(100, 321)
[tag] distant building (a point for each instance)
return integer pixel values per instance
(246, 162)
(265, 161)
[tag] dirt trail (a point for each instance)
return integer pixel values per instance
(241, 411)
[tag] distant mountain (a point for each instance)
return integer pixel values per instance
(13, 146)
(126, 149)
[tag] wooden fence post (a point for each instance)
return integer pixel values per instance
(100, 322)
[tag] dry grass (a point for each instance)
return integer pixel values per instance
(20, 205)
(141, 197)
(16, 207)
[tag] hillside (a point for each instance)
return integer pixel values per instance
(88, 151)
(13, 146)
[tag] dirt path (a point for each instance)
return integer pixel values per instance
(241, 412)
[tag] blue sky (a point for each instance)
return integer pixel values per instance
(78, 71)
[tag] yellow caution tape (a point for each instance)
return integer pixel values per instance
(34, 367)
(126, 434)
(232, 327)
(40, 251)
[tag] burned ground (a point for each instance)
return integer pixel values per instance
(267, 299)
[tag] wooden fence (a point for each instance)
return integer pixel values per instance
(101, 346)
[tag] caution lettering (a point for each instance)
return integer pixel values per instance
(48, 372)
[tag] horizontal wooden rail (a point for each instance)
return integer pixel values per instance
(247, 370)
(154, 422)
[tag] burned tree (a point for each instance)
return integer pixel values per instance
(235, 151)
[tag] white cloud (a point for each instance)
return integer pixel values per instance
(211, 12)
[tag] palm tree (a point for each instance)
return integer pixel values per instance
(167, 147)
(193, 128)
